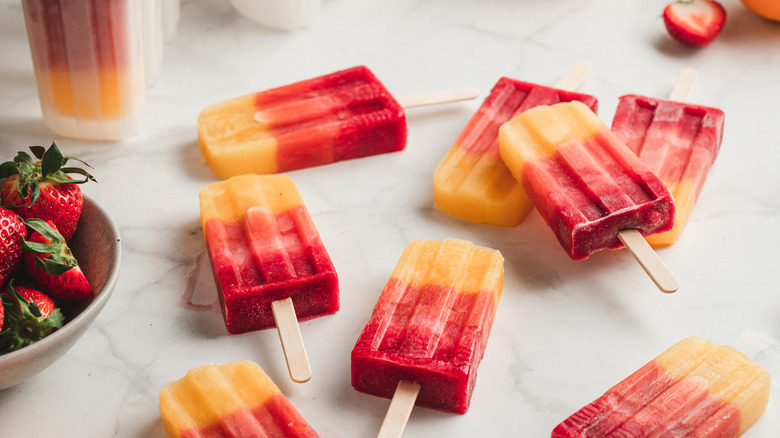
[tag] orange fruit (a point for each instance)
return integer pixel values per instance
(766, 8)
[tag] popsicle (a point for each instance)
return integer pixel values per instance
(88, 63)
(471, 182)
(340, 116)
(235, 399)
(430, 326)
(266, 255)
(696, 388)
(587, 185)
(677, 141)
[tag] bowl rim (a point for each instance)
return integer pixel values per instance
(98, 301)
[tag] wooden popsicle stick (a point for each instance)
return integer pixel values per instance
(574, 77)
(400, 409)
(292, 341)
(649, 260)
(437, 97)
(683, 87)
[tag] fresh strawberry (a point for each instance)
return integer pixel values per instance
(11, 230)
(44, 189)
(30, 315)
(50, 264)
(694, 22)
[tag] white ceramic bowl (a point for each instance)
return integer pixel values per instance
(97, 247)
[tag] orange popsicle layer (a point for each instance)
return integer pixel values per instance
(471, 182)
(694, 389)
(264, 247)
(431, 324)
(584, 181)
(677, 141)
(235, 400)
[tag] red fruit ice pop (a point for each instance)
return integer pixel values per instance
(471, 182)
(429, 329)
(677, 141)
(340, 116)
(694, 389)
(592, 191)
(268, 260)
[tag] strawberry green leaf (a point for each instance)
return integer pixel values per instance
(23, 157)
(8, 168)
(38, 151)
(52, 161)
(80, 171)
(37, 247)
(44, 229)
(54, 265)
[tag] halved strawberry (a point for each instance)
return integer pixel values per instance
(30, 315)
(694, 22)
(11, 230)
(44, 189)
(51, 265)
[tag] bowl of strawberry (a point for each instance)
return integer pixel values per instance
(60, 253)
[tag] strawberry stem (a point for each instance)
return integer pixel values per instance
(55, 257)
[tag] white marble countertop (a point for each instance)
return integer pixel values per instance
(565, 331)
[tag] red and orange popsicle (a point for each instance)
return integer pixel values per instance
(269, 263)
(592, 191)
(431, 324)
(264, 247)
(676, 140)
(235, 399)
(696, 388)
(339, 116)
(471, 182)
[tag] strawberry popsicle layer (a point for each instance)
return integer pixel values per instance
(471, 182)
(88, 65)
(678, 142)
(694, 389)
(431, 324)
(585, 183)
(264, 247)
(344, 115)
(235, 399)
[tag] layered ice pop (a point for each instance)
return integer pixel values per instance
(585, 182)
(263, 248)
(88, 63)
(471, 182)
(675, 140)
(269, 263)
(592, 191)
(431, 324)
(339, 116)
(694, 389)
(235, 399)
